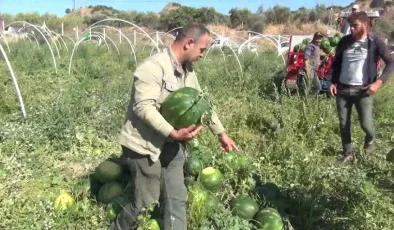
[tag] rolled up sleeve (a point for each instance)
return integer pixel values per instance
(146, 91)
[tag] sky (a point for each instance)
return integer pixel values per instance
(58, 7)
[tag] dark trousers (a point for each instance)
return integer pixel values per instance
(149, 181)
(347, 97)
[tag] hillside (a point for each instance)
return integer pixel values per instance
(276, 20)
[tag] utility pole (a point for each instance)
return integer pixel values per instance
(74, 5)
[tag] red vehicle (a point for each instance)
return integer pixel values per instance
(295, 72)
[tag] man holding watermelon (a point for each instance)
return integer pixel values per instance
(151, 147)
(355, 80)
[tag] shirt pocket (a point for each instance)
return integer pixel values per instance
(168, 88)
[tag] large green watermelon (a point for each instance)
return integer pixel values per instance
(194, 165)
(306, 41)
(324, 44)
(108, 171)
(339, 34)
(302, 47)
(211, 178)
(109, 191)
(115, 207)
(334, 41)
(184, 107)
(244, 207)
(390, 156)
(269, 219)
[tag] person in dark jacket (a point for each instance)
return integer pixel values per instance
(355, 79)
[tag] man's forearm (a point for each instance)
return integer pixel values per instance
(147, 111)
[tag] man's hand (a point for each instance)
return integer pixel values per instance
(333, 89)
(374, 87)
(185, 134)
(227, 144)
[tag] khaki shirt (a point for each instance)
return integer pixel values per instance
(145, 130)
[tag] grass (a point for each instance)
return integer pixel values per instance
(73, 122)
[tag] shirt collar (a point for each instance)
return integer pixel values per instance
(175, 63)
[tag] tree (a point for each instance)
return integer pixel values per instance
(68, 11)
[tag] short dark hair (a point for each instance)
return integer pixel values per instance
(361, 16)
(192, 30)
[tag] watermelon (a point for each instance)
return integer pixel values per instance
(115, 207)
(193, 165)
(269, 219)
(152, 224)
(204, 154)
(244, 207)
(211, 178)
(330, 50)
(339, 35)
(184, 107)
(306, 41)
(296, 48)
(63, 201)
(268, 191)
(302, 47)
(243, 162)
(324, 44)
(390, 156)
(334, 41)
(109, 191)
(108, 171)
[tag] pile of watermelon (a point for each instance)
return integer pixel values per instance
(203, 176)
(108, 185)
(328, 45)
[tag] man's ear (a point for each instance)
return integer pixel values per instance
(189, 43)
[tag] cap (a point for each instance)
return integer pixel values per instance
(355, 6)
(318, 34)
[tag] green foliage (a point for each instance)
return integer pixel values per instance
(291, 139)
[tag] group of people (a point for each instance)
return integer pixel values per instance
(152, 148)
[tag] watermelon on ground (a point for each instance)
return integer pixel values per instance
(269, 219)
(108, 171)
(244, 207)
(109, 191)
(211, 178)
(194, 165)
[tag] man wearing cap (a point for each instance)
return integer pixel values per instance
(312, 59)
(355, 8)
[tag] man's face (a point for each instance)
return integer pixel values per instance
(195, 49)
(318, 41)
(357, 28)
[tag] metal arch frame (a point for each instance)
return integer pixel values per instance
(125, 21)
(82, 39)
(46, 40)
(18, 91)
(123, 35)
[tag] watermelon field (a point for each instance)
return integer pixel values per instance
(284, 175)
